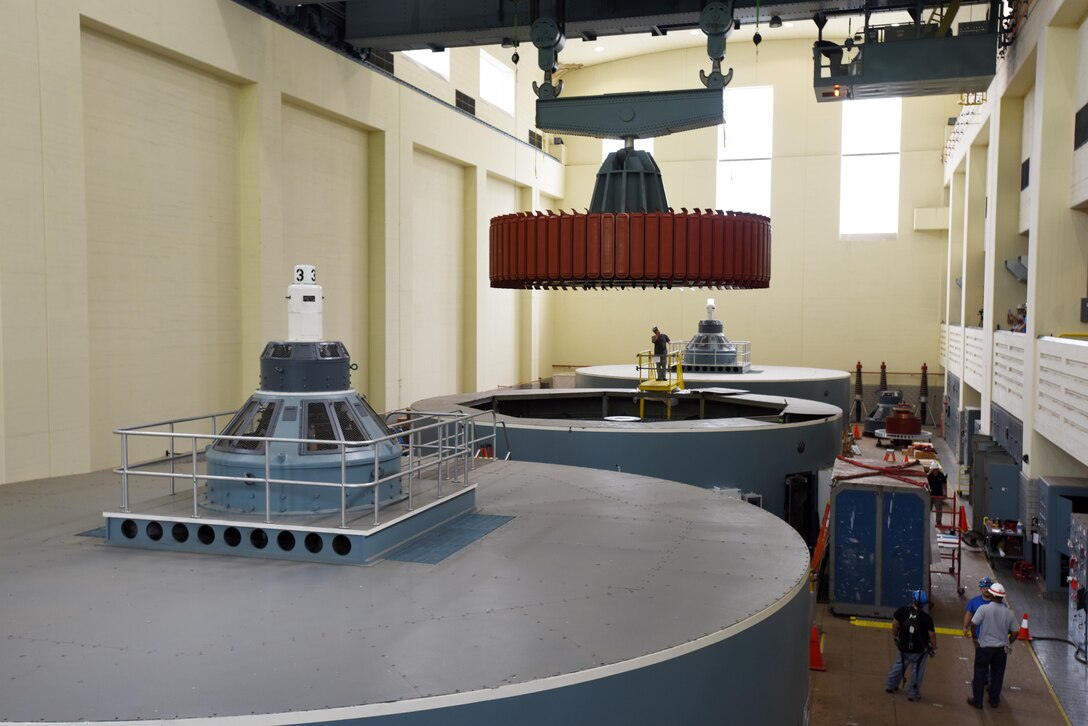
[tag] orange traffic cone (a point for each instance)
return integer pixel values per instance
(1024, 634)
(815, 657)
(857, 433)
(963, 520)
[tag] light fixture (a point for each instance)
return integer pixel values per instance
(598, 48)
(776, 22)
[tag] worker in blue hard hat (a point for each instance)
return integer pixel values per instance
(974, 604)
(915, 640)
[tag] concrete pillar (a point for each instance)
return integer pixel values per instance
(1058, 241)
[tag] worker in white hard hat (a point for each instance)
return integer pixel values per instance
(995, 629)
(936, 480)
(974, 604)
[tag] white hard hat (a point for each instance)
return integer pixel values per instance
(997, 589)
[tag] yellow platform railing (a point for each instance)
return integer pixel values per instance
(660, 374)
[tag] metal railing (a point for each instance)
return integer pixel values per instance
(655, 369)
(739, 357)
(442, 441)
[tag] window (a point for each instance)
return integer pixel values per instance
(255, 419)
(744, 156)
(348, 425)
(496, 82)
(318, 426)
(610, 145)
(869, 184)
(437, 62)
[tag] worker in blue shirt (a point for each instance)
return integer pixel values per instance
(974, 604)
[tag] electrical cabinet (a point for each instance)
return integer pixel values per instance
(1078, 580)
(1060, 499)
(995, 483)
(952, 413)
(880, 546)
(1007, 431)
(969, 420)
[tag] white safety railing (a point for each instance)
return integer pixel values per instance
(944, 345)
(974, 361)
(1010, 362)
(438, 441)
(955, 350)
(1061, 394)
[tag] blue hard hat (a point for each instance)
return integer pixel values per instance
(984, 583)
(920, 598)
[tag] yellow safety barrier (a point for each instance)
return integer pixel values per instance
(659, 376)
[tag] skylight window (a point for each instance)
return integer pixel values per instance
(437, 62)
(869, 182)
(744, 156)
(496, 82)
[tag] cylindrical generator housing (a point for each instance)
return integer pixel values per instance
(709, 350)
(300, 366)
(305, 394)
(331, 418)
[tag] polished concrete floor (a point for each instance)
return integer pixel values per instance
(1044, 684)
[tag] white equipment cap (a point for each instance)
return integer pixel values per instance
(304, 322)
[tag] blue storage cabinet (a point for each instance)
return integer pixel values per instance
(880, 546)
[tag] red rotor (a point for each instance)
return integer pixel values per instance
(713, 249)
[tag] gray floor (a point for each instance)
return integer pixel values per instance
(1048, 617)
(1044, 684)
(569, 584)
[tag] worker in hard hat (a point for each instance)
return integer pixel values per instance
(915, 640)
(936, 480)
(974, 604)
(661, 351)
(995, 630)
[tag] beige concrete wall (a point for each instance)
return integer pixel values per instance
(161, 143)
(431, 261)
(325, 217)
(498, 309)
(830, 302)
(166, 164)
(1079, 191)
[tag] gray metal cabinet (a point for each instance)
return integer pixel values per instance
(995, 483)
(1059, 498)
